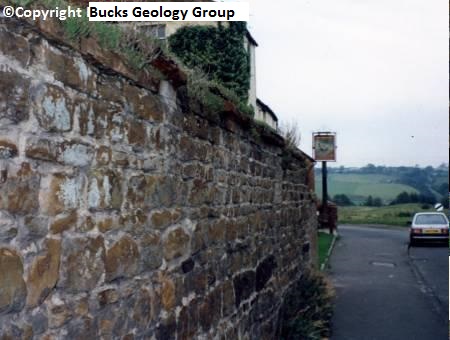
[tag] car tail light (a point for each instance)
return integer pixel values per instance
(417, 231)
(444, 231)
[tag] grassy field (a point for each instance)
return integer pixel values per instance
(358, 186)
(324, 244)
(392, 215)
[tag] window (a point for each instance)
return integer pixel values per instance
(157, 31)
(430, 219)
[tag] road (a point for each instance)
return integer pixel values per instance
(384, 291)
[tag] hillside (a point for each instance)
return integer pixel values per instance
(384, 182)
(359, 186)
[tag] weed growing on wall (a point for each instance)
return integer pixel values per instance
(217, 51)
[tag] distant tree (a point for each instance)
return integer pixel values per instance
(405, 197)
(369, 169)
(443, 189)
(342, 200)
(414, 198)
(377, 202)
(402, 198)
(369, 201)
(429, 170)
(444, 201)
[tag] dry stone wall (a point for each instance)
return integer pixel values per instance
(123, 215)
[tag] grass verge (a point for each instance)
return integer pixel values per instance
(396, 215)
(325, 240)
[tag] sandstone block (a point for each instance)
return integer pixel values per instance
(137, 133)
(163, 218)
(103, 155)
(42, 149)
(107, 296)
(151, 250)
(142, 309)
(75, 154)
(58, 313)
(105, 224)
(209, 310)
(105, 190)
(13, 291)
(8, 228)
(227, 298)
(145, 105)
(36, 226)
(44, 273)
(7, 149)
(82, 264)
(167, 293)
(69, 70)
(60, 193)
(122, 259)
(64, 222)
(81, 329)
(19, 194)
(15, 46)
(14, 93)
(176, 243)
(53, 108)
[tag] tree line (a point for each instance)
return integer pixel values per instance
(402, 198)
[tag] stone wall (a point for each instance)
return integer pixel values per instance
(125, 215)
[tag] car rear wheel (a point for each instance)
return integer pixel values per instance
(412, 241)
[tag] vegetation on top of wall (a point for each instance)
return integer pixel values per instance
(218, 51)
(138, 50)
(213, 95)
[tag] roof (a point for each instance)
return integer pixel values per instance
(308, 156)
(266, 108)
(251, 39)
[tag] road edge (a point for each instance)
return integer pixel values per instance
(439, 307)
(375, 226)
(330, 250)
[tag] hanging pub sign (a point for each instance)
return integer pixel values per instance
(324, 146)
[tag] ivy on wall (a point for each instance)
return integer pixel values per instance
(217, 51)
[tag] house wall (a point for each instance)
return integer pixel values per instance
(251, 48)
(265, 117)
(125, 216)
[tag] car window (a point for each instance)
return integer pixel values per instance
(430, 219)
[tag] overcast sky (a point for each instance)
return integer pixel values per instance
(374, 71)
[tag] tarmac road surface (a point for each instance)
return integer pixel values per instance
(385, 290)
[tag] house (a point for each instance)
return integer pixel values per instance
(163, 30)
(264, 113)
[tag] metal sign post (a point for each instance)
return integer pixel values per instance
(324, 149)
(324, 185)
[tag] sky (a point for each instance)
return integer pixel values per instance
(373, 71)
